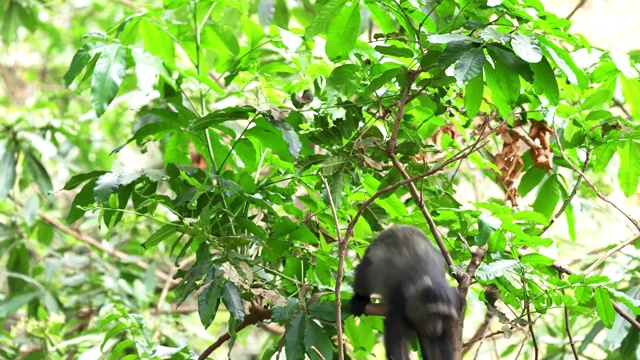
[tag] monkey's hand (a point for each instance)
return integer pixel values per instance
(359, 303)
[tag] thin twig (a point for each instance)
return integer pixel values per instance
(609, 253)
(418, 200)
(255, 316)
(567, 328)
(460, 155)
(593, 187)
(341, 255)
(623, 109)
(533, 334)
(168, 283)
(575, 9)
(97, 244)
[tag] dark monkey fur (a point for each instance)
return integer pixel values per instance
(408, 272)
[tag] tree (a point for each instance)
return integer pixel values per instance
(288, 135)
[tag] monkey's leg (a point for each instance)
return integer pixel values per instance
(436, 348)
(396, 333)
(397, 329)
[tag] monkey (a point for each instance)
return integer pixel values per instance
(407, 270)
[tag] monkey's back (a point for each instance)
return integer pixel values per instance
(409, 256)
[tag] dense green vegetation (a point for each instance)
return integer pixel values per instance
(170, 168)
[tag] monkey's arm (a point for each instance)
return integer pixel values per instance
(361, 289)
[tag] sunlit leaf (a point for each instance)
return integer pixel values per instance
(107, 76)
(7, 169)
(342, 33)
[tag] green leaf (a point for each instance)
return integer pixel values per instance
(220, 39)
(511, 60)
(107, 76)
(19, 262)
(544, 81)
(531, 216)
(604, 72)
(548, 196)
(629, 172)
(602, 96)
(324, 14)
(252, 30)
(496, 269)
(209, 302)
(504, 85)
(39, 173)
(454, 51)
(10, 22)
(82, 199)
(281, 15)
(78, 63)
(158, 129)
(118, 350)
(325, 310)
(344, 78)
(487, 226)
(156, 41)
(294, 338)
(221, 116)
(342, 33)
(233, 301)
(112, 332)
(282, 314)
(497, 242)
(526, 47)
(604, 306)
(473, 93)
(393, 50)
(13, 303)
(380, 81)
(381, 17)
(537, 259)
(80, 178)
(603, 155)
(7, 170)
(315, 337)
(164, 232)
(290, 136)
(532, 178)
(469, 65)
(631, 92)
(564, 61)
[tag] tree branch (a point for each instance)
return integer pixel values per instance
(97, 244)
(575, 9)
(342, 253)
(609, 253)
(593, 187)
(256, 315)
(564, 269)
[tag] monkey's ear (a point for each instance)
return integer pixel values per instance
(359, 303)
